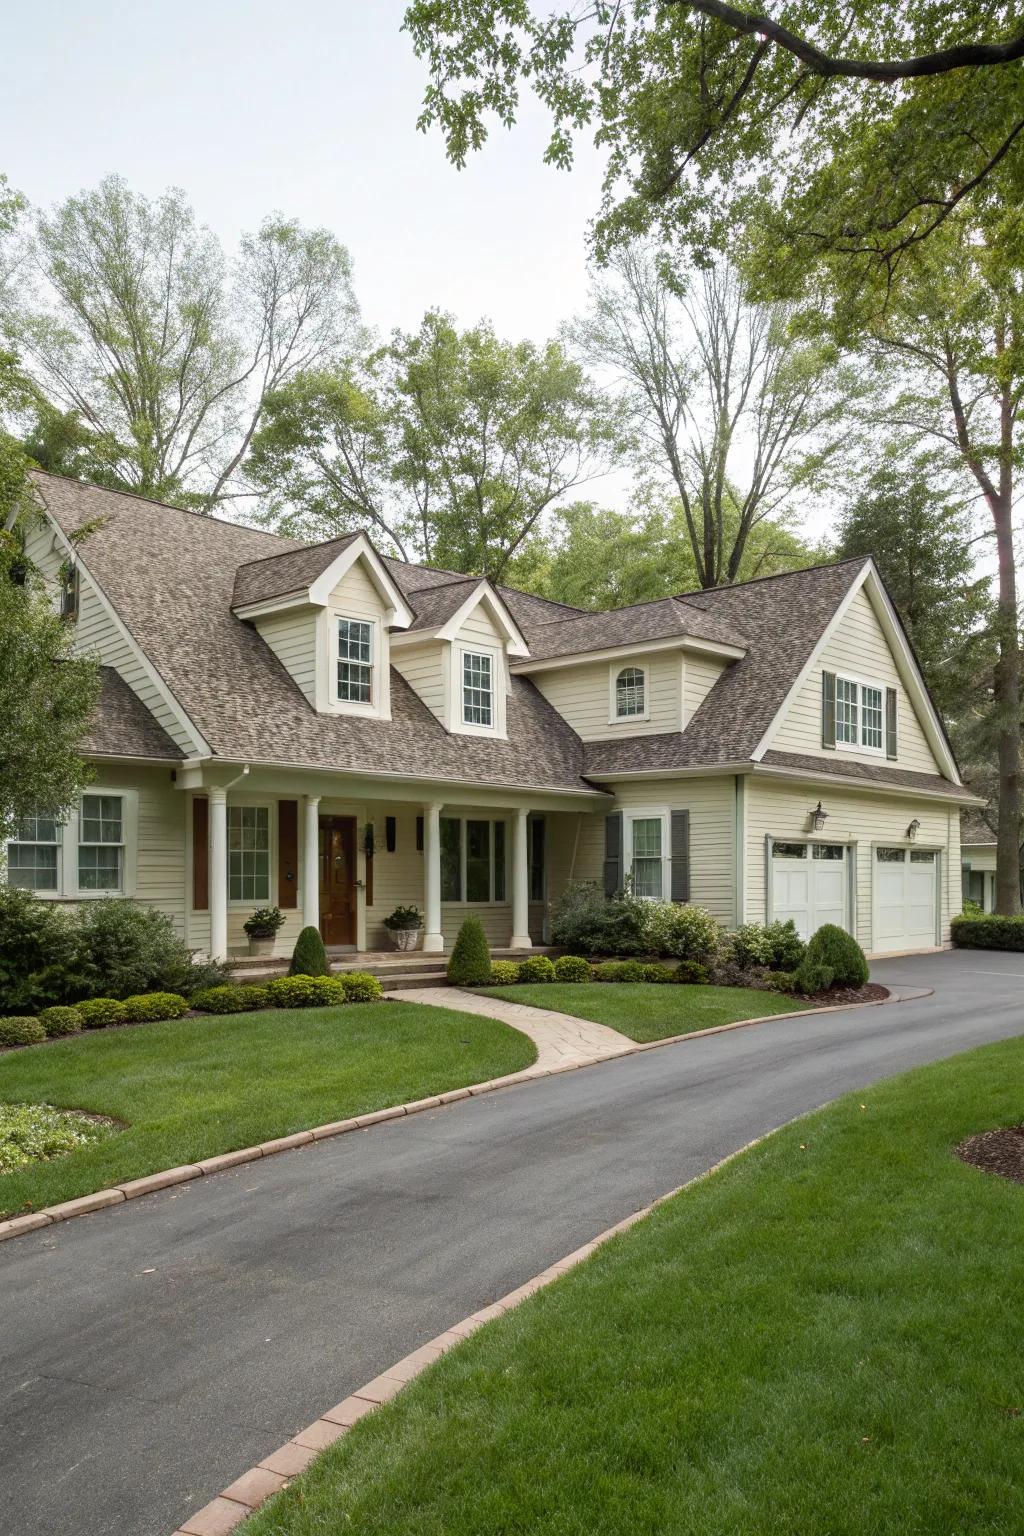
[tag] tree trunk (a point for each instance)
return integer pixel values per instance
(1007, 692)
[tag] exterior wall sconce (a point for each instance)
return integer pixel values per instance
(819, 816)
(913, 829)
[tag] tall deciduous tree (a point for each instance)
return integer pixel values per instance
(857, 128)
(160, 351)
(453, 445)
(740, 414)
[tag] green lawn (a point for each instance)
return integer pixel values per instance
(645, 1012)
(194, 1087)
(823, 1338)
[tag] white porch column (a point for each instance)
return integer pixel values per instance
(433, 938)
(520, 885)
(311, 863)
(218, 874)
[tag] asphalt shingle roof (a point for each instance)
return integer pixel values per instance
(975, 830)
(124, 727)
(660, 620)
(290, 570)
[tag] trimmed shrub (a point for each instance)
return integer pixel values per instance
(230, 999)
(780, 981)
(659, 974)
(504, 973)
(309, 957)
(986, 932)
(684, 932)
(361, 987)
(573, 968)
(100, 1012)
(21, 1032)
(38, 951)
(691, 973)
(152, 1007)
(839, 952)
(788, 948)
(537, 968)
(812, 976)
(469, 964)
(305, 992)
(60, 1021)
(586, 922)
(620, 970)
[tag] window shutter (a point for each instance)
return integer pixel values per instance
(200, 853)
(828, 709)
(680, 855)
(287, 853)
(613, 854)
(390, 833)
(419, 834)
(890, 723)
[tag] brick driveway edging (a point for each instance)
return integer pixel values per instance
(84, 1205)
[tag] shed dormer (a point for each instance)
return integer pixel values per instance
(326, 611)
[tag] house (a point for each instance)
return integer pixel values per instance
(978, 860)
(338, 733)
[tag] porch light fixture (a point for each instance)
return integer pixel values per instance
(913, 829)
(819, 816)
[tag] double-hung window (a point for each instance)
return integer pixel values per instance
(101, 843)
(478, 689)
(648, 838)
(860, 715)
(33, 854)
(472, 859)
(248, 853)
(355, 661)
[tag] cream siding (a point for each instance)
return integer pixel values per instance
(356, 596)
(582, 695)
(424, 667)
(858, 649)
(700, 675)
(292, 636)
(860, 819)
(478, 625)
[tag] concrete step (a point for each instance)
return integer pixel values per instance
(429, 970)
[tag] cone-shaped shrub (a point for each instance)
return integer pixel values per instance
(309, 958)
(469, 964)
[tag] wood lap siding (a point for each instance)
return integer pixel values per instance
(422, 666)
(292, 638)
(581, 696)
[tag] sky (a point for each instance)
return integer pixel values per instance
(308, 109)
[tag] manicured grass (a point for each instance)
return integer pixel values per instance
(822, 1338)
(645, 1012)
(194, 1087)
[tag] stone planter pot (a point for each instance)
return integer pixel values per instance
(260, 946)
(405, 938)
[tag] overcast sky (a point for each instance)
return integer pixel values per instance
(308, 108)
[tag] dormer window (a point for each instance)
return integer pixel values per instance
(478, 689)
(630, 694)
(355, 661)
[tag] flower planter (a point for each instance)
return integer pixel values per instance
(261, 946)
(405, 938)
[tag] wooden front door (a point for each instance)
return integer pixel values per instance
(338, 879)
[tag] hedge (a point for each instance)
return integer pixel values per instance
(988, 932)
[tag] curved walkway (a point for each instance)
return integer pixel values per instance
(561, 1040)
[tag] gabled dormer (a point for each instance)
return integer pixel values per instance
(456, 655)
(327, 612)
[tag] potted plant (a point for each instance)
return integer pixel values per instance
(262, 926)
(404, 926)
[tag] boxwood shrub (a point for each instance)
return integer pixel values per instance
(537, 968)
(988, 932)
(361, 987)
(620, 970)
(150, 1007)
(229, 998)
(305, 992)
(813, 976)
(61, 1021)
(504, 973)
(832, 948)
(573, 968)
(21, 1032)
(99, 1012)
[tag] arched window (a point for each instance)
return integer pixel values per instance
(630, 693)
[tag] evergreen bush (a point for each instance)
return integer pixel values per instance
(977, 930)
(21, 1032)
(586, 922)
(812, 976)
(60, 1021)
(230, 999)
(537, 968)
(152, 1007)
(305, 992)
(573, 968)
(839, 952)
(619, 970)
(469, 964)
(361, 987)
(309, 957)
(683, 932)
(504, 973)
(100, 1012)
(691, 973)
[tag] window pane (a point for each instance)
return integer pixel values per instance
(647, 878)
(629, 692)
(101, 819)
(478, 861)
(99, 868)
(499, 861)
(355, 658)
(647, 838)
(451, 859)
(536, 860)
(828, 850)
(846, 711)
(249, 853)
(647, 872)
(476, 689)
(890, 855)
(871, 717)
(39, 828)
(789, 850)
(32, 866)
(921, 856)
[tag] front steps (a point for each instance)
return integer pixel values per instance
(395, 970)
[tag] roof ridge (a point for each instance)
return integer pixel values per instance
(753, 581)
(153, 501)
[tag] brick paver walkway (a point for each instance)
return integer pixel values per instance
(561, 1039)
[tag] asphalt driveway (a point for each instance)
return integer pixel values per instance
(151, 1352)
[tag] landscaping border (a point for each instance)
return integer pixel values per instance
(84, 1205)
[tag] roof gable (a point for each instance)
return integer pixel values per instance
(311, 574)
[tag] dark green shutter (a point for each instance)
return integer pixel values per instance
(680, 855)
(890, 722)
(613, 854)
(828, 709)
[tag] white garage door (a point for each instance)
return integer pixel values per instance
(809, 884)
(905, 890)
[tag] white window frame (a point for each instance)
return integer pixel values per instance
(57, 843)
(615, 668)
(248, 903)
(355, 706)
(649, 813)
(860, 683)
(492, 900)
(68, 888)
(118, 889)
(456, 702)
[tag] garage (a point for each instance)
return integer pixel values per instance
(905, 890)
(810, 884)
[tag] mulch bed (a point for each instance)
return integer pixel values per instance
(1000, 1152)
(871, 992)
